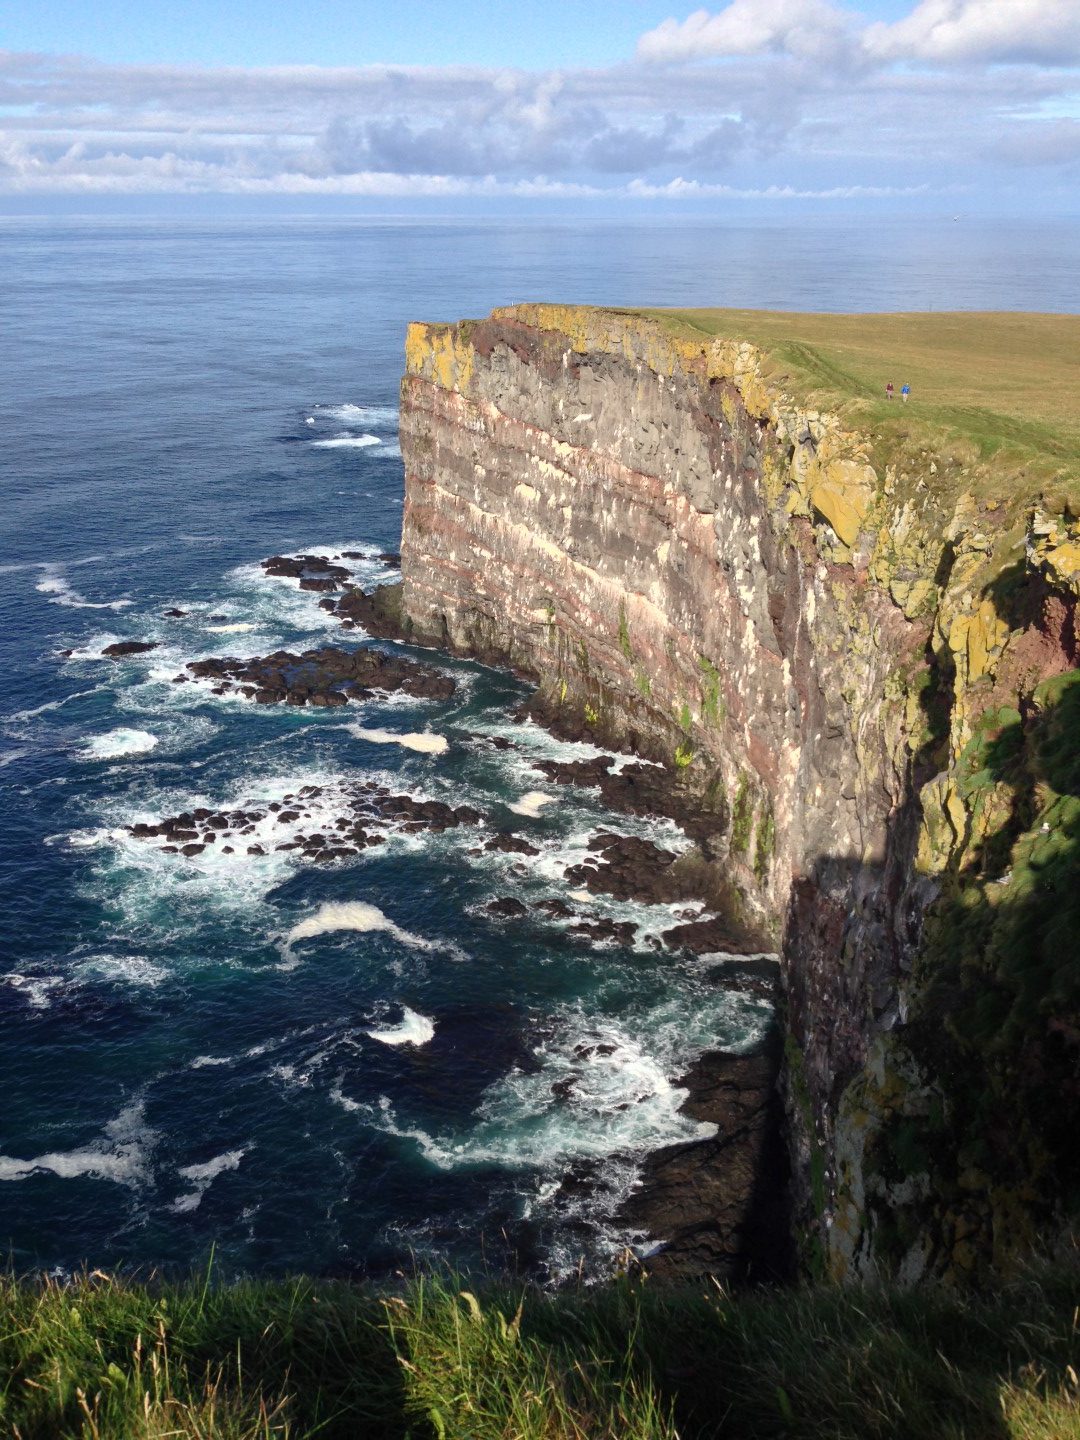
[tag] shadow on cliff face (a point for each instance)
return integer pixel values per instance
(995, 1022)
(722, 1205)
(970, 1128)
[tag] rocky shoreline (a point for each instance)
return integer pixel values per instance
(719, 1206)
(367, 804)
(722, 1204)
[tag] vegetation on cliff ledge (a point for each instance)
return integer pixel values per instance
(102, 1359)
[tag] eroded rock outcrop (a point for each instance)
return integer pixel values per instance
(863, 666)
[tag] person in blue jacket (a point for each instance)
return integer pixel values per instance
(905, 391)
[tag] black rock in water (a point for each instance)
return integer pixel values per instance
(324, 678)
(120, 648)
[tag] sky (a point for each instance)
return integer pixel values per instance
(922, 105)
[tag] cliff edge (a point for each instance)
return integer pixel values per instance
(850, 631)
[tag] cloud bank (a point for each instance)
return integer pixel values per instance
(774, 100)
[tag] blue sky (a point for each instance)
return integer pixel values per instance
(923, 105)
(531, 33)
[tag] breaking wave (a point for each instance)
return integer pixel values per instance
(61, 592)
(346, 442)
(119, 743)
(412, 1029)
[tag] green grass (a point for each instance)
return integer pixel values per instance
(102, 1359)
(993, 386)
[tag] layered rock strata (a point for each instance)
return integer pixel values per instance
(863, 669)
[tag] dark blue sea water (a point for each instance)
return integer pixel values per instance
(198, 1051)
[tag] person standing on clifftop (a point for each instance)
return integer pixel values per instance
(905, 391)
(888, 391)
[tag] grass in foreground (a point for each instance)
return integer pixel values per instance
(984, 386)
(104, 1358)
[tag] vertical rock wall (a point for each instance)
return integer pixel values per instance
(690, 564)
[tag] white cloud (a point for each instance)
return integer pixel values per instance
(680, 189)
(937, 32)
(750, 27)
(790, 114)
(1045, 32)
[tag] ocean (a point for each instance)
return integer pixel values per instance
(329, 1067)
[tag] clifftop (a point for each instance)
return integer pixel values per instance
(997, 387)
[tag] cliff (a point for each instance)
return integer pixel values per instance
(851, 633)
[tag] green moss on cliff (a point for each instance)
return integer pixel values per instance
(996, 1001)
(712, 707)
(764, 843)
(624, 635)
(742, 816)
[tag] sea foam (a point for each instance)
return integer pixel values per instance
(421, 741)
(202, 1176)
(531, 803)
(351, 915)
(121, 1154)
(36, 988)
(61, 592)
(380, 415)
(122, 969)
(118, 743)
(346, 442)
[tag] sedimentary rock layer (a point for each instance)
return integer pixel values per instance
(857, 664)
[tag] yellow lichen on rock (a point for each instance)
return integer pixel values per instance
(742, 363)
(842, 491)
(944, 824)
(439, 353)
(975, 640)
(1055, 545)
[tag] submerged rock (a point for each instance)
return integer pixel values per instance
(507, 907)
(368, 812)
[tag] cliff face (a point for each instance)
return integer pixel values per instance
(864, 671)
